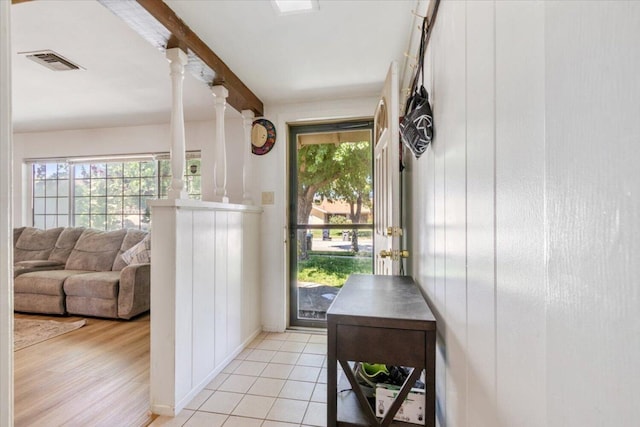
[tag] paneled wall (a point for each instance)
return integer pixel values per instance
(205, 296)
(523, 214)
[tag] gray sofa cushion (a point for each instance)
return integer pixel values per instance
(43, 282)
(38, 263)
(100, 284)
(35, 244)
(132, 238)
(23, 267)
(41, 304)
(95, 250)
(65, 244)
(16, 234)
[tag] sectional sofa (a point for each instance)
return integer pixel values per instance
(82, 271)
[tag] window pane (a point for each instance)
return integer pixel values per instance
(63, 188)
(82, 171)
(63, 170)
(148, 169)
(132, 221)
(194, 187)
(148, 186)
(51, 188)
(131, 186)
(98, 205)
(114, 222)
(131, 169)
(132, 205)
(114, 205)
(82, 206)
(114, 169)
(38, 206)
(38, 188)
(98, 170)
(165, 168)
(50, 221)
(99, 222)
(82, 221)
(165, 184)
(51, 205)
(63, 206)
(193, 179)
(63, 220)
(52, 170)
(39, 171)
(98, 187)
(193, 167)
(114, 186)
(82, 187)
(38, 221)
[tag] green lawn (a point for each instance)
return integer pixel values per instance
(332, 270)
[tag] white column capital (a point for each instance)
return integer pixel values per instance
(178, 55)
(248, 115)
(220, 92)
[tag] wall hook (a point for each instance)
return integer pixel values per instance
(415, 58)
(417, 14)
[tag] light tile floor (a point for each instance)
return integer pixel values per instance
(279, 380)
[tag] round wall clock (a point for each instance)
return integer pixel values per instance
(263, 136)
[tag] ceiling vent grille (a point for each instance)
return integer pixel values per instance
(52, 60)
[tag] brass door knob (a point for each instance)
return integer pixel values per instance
(385, 254)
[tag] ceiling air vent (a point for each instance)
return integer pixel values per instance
(51, 60)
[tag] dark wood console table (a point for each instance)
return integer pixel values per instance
(378, 319)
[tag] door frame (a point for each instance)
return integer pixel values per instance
(387, 160)
(292, 225)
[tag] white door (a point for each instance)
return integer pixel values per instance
(387, 231)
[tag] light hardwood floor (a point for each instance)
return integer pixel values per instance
(97, 375)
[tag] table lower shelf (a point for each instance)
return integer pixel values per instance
(350, 413)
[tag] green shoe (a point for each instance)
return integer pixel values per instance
(370, 374)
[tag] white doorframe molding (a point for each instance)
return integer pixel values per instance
(6, 235)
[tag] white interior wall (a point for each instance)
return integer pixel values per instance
(199, 135)
(522, 215)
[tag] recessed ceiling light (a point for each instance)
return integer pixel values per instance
(287, 7)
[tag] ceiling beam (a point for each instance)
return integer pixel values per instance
(158, 23)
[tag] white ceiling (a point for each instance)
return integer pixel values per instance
(341, 51)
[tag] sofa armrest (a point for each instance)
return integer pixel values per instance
(134, 296)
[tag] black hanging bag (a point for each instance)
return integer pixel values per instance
(416, 127)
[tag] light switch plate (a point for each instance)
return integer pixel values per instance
(267, 197)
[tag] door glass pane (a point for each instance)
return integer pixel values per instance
(332, 215)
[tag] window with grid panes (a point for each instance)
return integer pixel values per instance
(106, 195)
(50, 195)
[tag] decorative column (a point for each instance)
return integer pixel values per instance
(247, 121)
(177, 59)
(220, 165)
